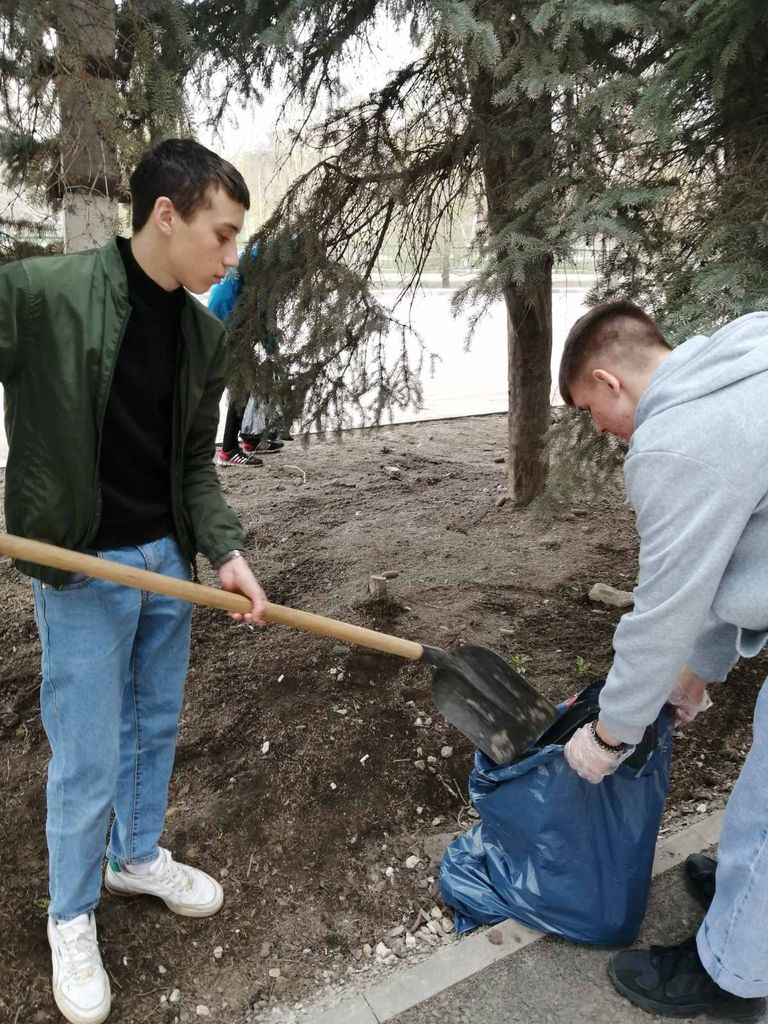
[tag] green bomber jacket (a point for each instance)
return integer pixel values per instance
(62, 320)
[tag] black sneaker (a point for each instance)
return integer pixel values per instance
(671, 981)
(700, 878)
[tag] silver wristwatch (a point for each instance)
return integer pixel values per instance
(227, 557)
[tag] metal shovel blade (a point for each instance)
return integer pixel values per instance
(488, 701)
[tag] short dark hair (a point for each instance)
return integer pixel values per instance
(611, 325)
(183, 170)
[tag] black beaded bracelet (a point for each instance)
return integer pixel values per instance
(620, 749)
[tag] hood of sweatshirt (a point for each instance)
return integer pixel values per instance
(707, 363)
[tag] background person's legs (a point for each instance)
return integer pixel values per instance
(230, 442)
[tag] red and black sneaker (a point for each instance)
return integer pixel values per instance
(238, 457)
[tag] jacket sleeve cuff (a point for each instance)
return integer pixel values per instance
(631, 734)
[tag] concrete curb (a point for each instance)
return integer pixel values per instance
(453, 964)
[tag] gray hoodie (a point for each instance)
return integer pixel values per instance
(697, 476)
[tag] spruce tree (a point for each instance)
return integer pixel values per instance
(508, 106)
(692, 191)
(84, 85)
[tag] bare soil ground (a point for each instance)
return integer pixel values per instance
(301, 834)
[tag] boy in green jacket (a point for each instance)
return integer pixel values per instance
(113, 376)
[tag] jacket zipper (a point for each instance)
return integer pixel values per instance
(96, 508)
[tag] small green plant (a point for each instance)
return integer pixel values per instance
(583, 668)
(520, 662)
(40, 904)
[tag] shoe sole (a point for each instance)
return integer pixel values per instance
(208, 910)
(681, 1013)
(75, 1018)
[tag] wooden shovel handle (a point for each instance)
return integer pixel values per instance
(211, 597)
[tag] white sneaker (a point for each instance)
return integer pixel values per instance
(80, 983)
(184, 890)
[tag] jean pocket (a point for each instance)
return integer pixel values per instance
(73, 581)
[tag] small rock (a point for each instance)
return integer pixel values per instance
(436, 913)
(501, 500)
(412, 862)
(410, 941)
(266, 949)
(161, 970)
(495, 937)
(446, 751)
(367, 949)
(447, 925)
(382, 950)
(202, 1011)
(391, 574)
(431, 759)
(419, 765)
(434, 927)
(701, 808)
(395, 932)
(265, 747)
(610, 596)
(218, 952)
(175, 996)
(500, 458)
(390, 872)
(393, 472)
(274, 972)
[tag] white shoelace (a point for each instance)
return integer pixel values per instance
(79, 953)
(174, 876)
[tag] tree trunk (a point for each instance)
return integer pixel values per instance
(515, 152)
(87, 105)
(529, 350)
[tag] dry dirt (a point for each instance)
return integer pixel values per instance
(302, 835)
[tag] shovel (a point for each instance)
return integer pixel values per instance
(475, 689)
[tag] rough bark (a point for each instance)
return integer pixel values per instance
(87, 104)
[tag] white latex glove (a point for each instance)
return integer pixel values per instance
(689, 696)
(588, 759)
(687, 707)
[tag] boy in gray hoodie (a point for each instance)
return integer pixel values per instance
(696, 419)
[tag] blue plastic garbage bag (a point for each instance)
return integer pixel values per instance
(558, 853)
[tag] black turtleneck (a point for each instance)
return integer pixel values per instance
(135, 465)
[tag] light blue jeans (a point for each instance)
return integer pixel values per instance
(114, 664)
(733, 938)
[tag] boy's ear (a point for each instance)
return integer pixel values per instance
(164, 214)
(608, 379)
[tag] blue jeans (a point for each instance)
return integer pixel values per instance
(114, 664)
(733, 938)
